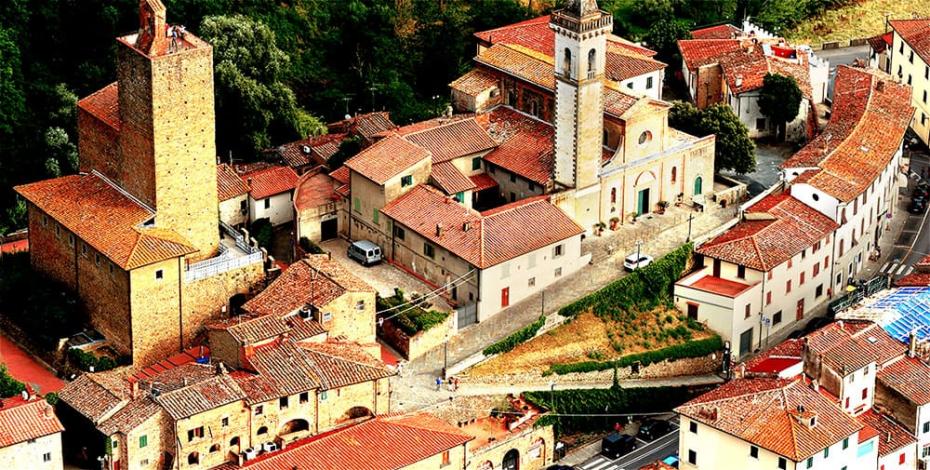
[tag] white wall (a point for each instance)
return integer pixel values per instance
(916, 73)
(29, 455)
(892, 461)
(280, 210)
(852, 387)
(230, 210)
(649, 84)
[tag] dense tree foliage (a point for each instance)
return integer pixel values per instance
(780, 99)
(734, 149)
(663, 37)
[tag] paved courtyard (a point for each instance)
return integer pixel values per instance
(768, 159)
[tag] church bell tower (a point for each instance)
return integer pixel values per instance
(581, 30)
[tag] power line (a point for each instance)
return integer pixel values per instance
(434, 293)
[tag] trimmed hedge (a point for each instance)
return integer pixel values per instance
(518, 337)
(690, 349)
(84, 361)
(642, 289)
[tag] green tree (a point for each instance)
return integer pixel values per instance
(61, 153)
(734, 149)
(12, 97)
(254, 106)
(663, 37)
(780, 99)
(9, 386)
(347, 149)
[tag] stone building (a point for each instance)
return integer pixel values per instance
(136, 233)
(30, 434)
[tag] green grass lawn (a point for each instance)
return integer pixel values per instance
(861, 19)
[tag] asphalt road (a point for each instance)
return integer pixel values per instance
(842, 56)
(645, 452)
(914, 242)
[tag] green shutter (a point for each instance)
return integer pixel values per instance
(358, 204)
(143, 441)
(374, 215)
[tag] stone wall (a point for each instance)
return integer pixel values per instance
(533, 456)
(420, 343)
(155, 431)
(97, 144)
(30, 454)
(273, 417)
(348, 320)
(214, 433)
(204, 299)
(155, 301)
(333, 405)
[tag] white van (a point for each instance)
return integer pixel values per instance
(365, 252)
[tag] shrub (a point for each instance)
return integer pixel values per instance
(309, 247)
(85, 361)
(263, 232)
(518, 337)
(9, 386)
(52, 398)
(642, 289)
(697, 348)
(411, 319)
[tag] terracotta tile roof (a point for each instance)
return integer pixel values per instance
(766, 413)
(483, 181)
(916, 33)
(526, 146)
(723, 31)
(619, 103)
(313, 189)
(891, 435)
(749, 70)
(910, 377)
(881, 42)
(341, 174)
(623, 64)
(851, 345)
(314, 150)
(450, 179)
(520, 62)
(130, 416)
(788, 350)
(913, 280)
(387, 158)
(106, 219)
(870, 115)
(338, 273)
(428, 124)
(474, 82)
(382, 443)
(251, 329)
(270, 181)
(453, 140)
(481, 239)
(96, 396)
(21, 421)
(104, 105)
(787, 68)
(285, 365)
(202, 396)
(257, 388)
(296, 287)
(765, 244)
(228, 183)
(366, 125)
(343, 364)
(718, 285)
(700, 52)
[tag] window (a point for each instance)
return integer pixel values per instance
(406, 180)
(225, 422)
(816, 270)
(84, 248)
(810, 462)
(902, 458)
(194, 433)
(826, 452)
(645, 137)
(70, 240)
(267, 202)
(282, 403)
(360, 305)
(234, 441)
(445, 459)
(476, 163)
(429, 250)
(816, 247)
(558, 272)
(262, 430)
(531, 185)
(926, 427)
(768, 298)
(776, 319)
(782, 463)
(754, 452)
(788, 287)
(648, 83)
(900, 51)
(159, 274)
(770, 275)
(613, 195)
(692, 426)
(790, 263)
(674, 174)
(259, 410)
(375, 215)
(323, 395)
(801, 280)
(357, 204)
(399, 233)
(557, 251)
(760, 124)
(531, 282)
(741, 272)
(592, 63)
(144, 462)
(748, 308)
(304, 398)
(910, 57)
(925, 96)
(818, 291)
(567, 63)
(47, 457)
(692, 457)
(143, 441)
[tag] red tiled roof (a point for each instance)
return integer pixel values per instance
(720, 286)
(910, 377)
(205, 395)
(483, 181)
(96, 396)
(313, 190)
(916, 33)
(296, 287)
(106, 219)
(228, 183)
(699, 52)
(450, 179)
(21, 421)
(853, 344)
(453, 140)
(623, 64)
(387, 158)
(343, 364)
(527, 147)
(366, 125)
(765, 244)
(481, 239)
(870, 115)
(892, 436)
(765, 412)
(723, 31)
(104, 105)
(474, 82)
(270, 181)
(778, 358)
(748, 70)
(382, 443)
(312, 150)
(341, 174)
(881, 42)
(520, 62)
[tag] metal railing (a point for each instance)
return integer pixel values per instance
(227, 259)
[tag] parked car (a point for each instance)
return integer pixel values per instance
(653, 429)
(365, 252)
(616, 445)
(922, 191)
(918, 205)
(631, 263)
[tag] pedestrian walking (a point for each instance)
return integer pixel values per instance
(438, 383)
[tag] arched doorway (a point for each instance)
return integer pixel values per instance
(358, 412)
(698, 185)
(511, 460)
(295, 425)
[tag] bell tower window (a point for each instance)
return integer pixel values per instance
(592, 63)
(567, 63)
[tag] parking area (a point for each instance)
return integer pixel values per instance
(660, 448)
(384, 277)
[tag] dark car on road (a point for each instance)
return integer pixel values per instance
(918, 205)
(616, 445)
(653, 429)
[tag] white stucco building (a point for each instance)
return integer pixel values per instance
(271, 194)
(909, 63)
(30, 435)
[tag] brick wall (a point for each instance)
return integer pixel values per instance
(97, 145)
(155, 304)
(214, 434)
(104, 288)
(350, 322)
(334, 408)
(204, 299)
(521, 441)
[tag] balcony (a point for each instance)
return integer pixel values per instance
(235, 252)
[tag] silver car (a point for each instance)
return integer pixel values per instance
(365, 252)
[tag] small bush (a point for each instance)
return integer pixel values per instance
(309, 247)
(411, 319)
(263, 232)
(85, 361)
(518, 337)
(52, 398)
(9, 386)
(697, 348)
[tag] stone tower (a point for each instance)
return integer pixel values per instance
(581, 30)
(167, 138)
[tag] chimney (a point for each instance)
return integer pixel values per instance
(880, 85)
(134, 389)
(911, 344)
(815, 385)
(839, 323)
(152, 28)
(48, 411)
(739, 81)
(438, 230)
(888, 437)
(466, 226)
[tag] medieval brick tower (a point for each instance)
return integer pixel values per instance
(167, 147)
(581, 30)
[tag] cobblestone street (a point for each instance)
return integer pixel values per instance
(416, 387)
